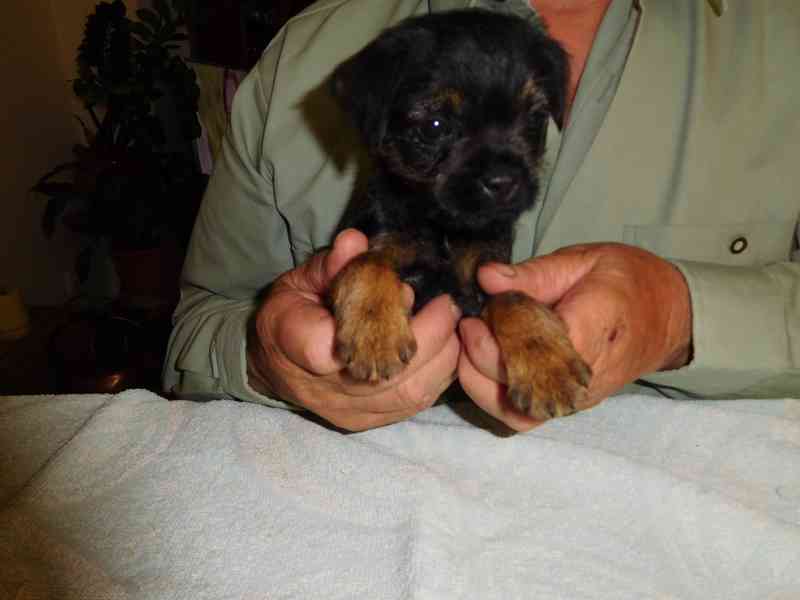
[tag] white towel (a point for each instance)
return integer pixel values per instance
(134, 497)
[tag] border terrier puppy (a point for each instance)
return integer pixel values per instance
(453, 108)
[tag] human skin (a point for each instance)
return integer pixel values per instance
(628, 312)
(290, 349)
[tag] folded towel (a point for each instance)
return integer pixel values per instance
(135, 497)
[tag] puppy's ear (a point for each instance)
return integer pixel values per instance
(552, 67)
(365, 84)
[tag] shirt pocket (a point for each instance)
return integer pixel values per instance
(745, 244)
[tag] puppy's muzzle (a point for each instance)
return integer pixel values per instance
(498, 177)
(499, 186)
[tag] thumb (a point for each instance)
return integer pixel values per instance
(347, 245)
(546, 278)
(315, 275)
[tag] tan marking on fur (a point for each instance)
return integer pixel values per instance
(466, 265)
(466, 258)
(373, 333)
(397, 249)
(454, 98)
(545, 375)
(448, 97)
(532, 96)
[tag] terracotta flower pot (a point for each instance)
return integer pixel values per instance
(14, 323)
(148, 278)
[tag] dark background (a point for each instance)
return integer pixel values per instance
(234, 33)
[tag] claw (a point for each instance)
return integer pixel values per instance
(520, 399)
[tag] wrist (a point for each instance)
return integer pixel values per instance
(679, 329)
(254, 354)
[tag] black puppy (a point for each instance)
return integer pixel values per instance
(453, 108)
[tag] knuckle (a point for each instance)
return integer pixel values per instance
(312, 353)
(285, 281)
(482, 348)
(413, 394)
(452, 352)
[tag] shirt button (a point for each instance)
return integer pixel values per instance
(739, 245)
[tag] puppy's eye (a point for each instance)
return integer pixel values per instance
(434, 129)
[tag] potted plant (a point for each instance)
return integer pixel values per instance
(125, 183)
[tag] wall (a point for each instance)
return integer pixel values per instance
(38, 40)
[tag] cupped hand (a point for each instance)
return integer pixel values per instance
(628, 313)
(290, 349)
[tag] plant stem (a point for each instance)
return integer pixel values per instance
(95, 120)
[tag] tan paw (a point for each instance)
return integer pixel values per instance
(373, 333)
(546, 377)
(556, 388)
(374, 349)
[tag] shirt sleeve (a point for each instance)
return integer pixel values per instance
(746, 332)
(239, 244)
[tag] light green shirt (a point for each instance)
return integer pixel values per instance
(683, 140)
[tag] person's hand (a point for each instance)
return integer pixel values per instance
(628, 313)
(290, 349)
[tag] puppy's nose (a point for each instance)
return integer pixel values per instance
(499, 187)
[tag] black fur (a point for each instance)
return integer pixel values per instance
(453, 108)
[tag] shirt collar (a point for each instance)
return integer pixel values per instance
(718, 6)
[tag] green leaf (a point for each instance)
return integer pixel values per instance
(163, 9)
(142, 31)
(83, 263)
(150, 17)
(167, 32)
(58, 169)
(55, 189)
(88, 134)
(182, 7)
(52, 211)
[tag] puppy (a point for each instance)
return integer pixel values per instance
(453, 108)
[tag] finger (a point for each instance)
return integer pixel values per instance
(433, 326)
(309, 279)
(315, 275)
(408, 296)
(306, 336)
(481, 347)
(420, 389)
(347, 245)
(545, 278)
(591, 312)
(362, 421)
(304, 327)
(401, 401)
(490, 396)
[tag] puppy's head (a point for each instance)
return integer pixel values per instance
(454, 106)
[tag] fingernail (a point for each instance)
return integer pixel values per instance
(455, 308)
(339, 237)
(506, 270)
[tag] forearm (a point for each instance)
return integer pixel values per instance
(207, 357)
(239, 244)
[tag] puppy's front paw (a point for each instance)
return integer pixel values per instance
(554, 387)
(374, 349)
(373, 334)
(546, 377)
